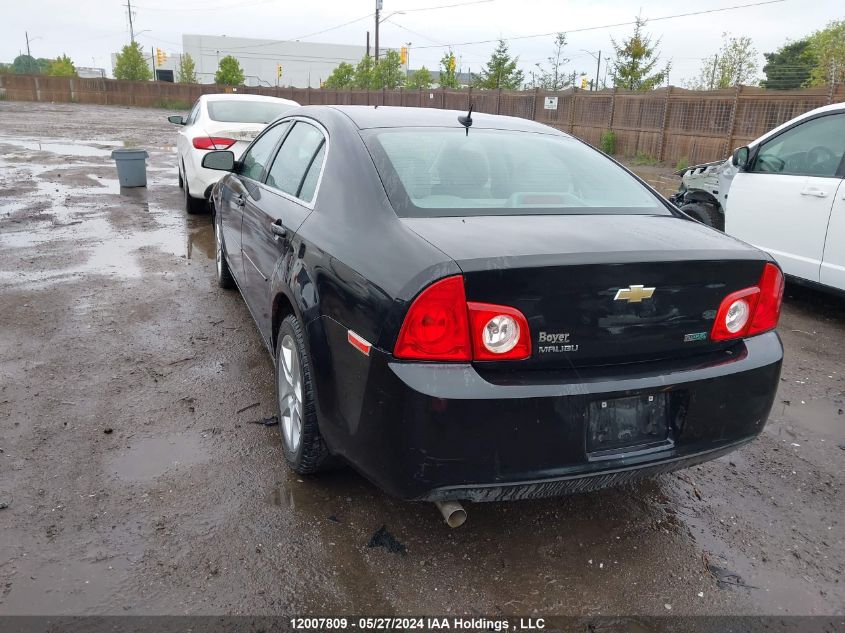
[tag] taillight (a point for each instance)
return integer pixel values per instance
(771, 296)
(752, 310)
(442, 326)
(213, 142)
(436, 326)
(498, 332)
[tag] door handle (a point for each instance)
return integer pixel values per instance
(813, 191)
(239, 200)
(278, 229)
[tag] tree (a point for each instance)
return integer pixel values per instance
(734, 65)
(501, 71)
(420, 78)
(448, 78)
(62, 66)
(187, 73)
(28, 65)
(363, 77)
(790, 66)
(828, 45)
(553, 78)
(343, 76)
(229, 72)
(387, 73)
(131, 65)
(636, 59)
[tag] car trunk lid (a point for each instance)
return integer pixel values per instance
(599, 289)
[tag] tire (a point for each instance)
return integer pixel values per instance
(705, 213)
(303, 446)
(193, 205)
(224, 275)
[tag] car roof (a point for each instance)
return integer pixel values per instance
(367, 117)
(224, 96)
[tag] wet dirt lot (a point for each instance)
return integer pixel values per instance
(137, 481)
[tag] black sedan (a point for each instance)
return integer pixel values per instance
(485, 308)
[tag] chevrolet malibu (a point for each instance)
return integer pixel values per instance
(476, 307)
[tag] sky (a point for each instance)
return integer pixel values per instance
(90, 30)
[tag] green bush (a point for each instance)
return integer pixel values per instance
(172, 104)
(682, 163)
(608, 142)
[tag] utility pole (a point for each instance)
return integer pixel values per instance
(28, 54)
(713, 72)
(153, 60)
(598, 69)
(378, 12)
(131, 28)
(368, 43)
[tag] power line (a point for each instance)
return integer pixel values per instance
(606, 26)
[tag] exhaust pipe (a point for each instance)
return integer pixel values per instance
(453, 512)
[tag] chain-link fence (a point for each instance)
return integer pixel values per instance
(666, 125)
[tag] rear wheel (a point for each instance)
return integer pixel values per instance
(303, 445)
(193, 205)
(224, 275)
(705, 213)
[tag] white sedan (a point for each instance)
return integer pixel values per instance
(219, 121)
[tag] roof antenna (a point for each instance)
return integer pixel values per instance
(466, 121)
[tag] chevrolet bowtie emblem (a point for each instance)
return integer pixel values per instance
(633, 294)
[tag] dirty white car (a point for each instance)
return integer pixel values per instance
(218, 122)
(784, 193)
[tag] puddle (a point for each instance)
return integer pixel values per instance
(62, 147)
(820, 418)
(151, 458)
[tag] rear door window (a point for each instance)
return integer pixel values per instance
(294, 159)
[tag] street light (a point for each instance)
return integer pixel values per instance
(598, 65)
(379, 20)
(28, 54)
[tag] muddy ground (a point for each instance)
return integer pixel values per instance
(137, 481)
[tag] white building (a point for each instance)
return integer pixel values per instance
(303, 63)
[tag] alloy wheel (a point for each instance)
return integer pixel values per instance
(290, 393)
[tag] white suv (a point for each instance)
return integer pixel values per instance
(219, 121)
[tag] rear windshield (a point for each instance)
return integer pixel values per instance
(246, 111)
(430, 172)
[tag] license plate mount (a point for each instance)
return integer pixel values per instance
(629, 424)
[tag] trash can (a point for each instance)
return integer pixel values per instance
(131, 166)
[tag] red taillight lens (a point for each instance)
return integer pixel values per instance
(213, 142)
(498, 332)
(752, 310)
(436, 326)
(442, 326)
(771, 296)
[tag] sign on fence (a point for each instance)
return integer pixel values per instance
(550, 103)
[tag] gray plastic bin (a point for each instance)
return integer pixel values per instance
(131, 166)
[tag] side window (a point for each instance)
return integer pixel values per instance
(814, 148)
(294, 158)
(309, 185)
(258, 156)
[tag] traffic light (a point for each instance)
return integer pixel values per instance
(403, 55)
(161, 56)
(278, 71)
(584, 82)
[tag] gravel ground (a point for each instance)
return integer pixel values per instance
(137, 481)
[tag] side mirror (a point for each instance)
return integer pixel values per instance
(222, 161)
(740, 157)
(176, 119)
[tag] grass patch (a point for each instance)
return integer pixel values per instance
(682, 163)
(608, 142)
(643, 159)
(168, 104)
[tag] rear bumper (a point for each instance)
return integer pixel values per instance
(445, 431)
